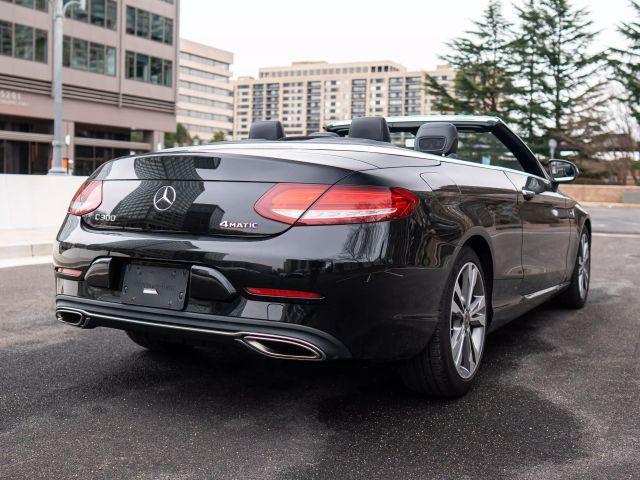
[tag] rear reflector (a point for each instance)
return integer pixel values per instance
(302, 204)
(274, 292)
(69, 272)
(87, 198)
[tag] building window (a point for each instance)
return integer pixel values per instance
(98, 12)
(41, 46)
(210, 62)
(102, 13)
(145, 68)
(23, 42)
(79, 54)
(130, 65)
(168, 31)
(205, 88)
(167, 72)
(142, 67)
(157, 28)
(94, 57)
(149, 25)
(112, 15)
(142, 23)
(131, 20)
(6, 38)
(205, 101)
(41, 5)
(202, 74)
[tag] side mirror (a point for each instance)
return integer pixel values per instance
(563, 171)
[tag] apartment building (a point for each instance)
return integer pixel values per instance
(205, 92)
(119, 88)
(307, 95)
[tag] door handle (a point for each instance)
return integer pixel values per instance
(527, 194)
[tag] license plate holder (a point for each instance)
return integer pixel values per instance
(154, 286)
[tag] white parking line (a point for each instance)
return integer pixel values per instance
(616, 235)
(21, 262)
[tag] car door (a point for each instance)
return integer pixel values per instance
(542, 209)
(546, 227)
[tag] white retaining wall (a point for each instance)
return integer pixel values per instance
(35, 201)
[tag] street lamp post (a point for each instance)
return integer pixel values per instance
(59, 9)
(553, 144)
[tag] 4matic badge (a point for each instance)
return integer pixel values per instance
(227, 224)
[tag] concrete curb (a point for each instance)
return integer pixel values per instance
(26, 250)
(610, 204)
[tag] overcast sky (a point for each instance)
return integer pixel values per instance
(264, 33)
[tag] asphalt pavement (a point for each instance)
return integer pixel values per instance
(558, 396)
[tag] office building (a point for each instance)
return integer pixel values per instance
(119, 88)
(205, 93)
(307, 95)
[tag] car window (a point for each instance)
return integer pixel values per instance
(485, 148)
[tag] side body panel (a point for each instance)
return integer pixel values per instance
(487, 207)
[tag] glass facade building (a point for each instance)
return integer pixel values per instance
(119, 84)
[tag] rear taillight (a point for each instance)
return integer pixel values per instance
(302, 204)
(68, 272)
(87, 198)
(275, 292)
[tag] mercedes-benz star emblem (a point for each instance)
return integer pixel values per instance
(164, 198)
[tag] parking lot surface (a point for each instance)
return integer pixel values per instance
(558, 397)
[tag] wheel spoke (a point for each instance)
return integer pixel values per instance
(472, 279)
(478, 320)
(470, 353)
(476, 342)
(456, 347)
(457, 292)
(477, 305)
(456, 309)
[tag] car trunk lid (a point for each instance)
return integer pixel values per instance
(210, 193)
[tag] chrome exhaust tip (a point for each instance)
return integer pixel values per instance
(71, 317)
(285, 348)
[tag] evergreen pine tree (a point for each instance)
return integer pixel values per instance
(572, 93)
(482, 84)
(626, 62)
(526, 62)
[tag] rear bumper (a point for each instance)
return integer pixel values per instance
(381, 286)
(198, 326)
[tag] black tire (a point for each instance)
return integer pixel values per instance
(433, 372)
(573, 296)
(158, 344)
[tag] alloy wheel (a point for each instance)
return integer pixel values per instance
(584, 265)
(468, 320)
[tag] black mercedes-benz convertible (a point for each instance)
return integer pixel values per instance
(400, 240)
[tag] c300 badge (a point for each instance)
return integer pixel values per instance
(244, 225)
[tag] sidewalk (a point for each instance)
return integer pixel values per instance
(27, 246)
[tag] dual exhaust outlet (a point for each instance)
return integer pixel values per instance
(273, 346)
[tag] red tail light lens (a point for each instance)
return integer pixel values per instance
(69, 272)
(286, 202)
(87, 198)
(340, 204)
(274, 292)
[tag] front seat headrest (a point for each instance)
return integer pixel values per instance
(371, 128)
(266, 130)
(437, 139)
